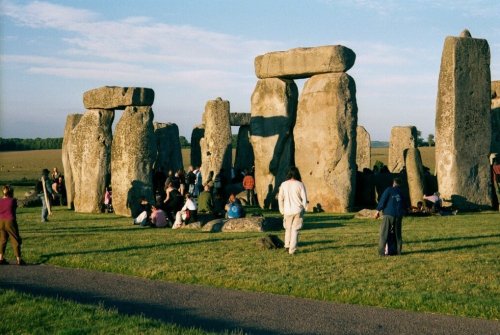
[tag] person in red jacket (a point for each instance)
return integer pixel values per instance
(8, 225)
(249, 185)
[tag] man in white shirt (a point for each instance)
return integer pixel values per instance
(292, 199)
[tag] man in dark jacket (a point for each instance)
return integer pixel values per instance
(393, 204)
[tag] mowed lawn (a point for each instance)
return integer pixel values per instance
(450, 264)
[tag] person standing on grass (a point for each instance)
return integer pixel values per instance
(292, 200)
(41, 194)
(8, 226)
(393, 204)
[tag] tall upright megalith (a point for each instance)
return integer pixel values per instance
(168, 145)
(216, 150)
(89, 156)
(273, 110)
(415, 175)
(402, 138)
(363, 148)
(71, 122)
(495, 117)
(133, 155)
(463, 122)
(325, 151)
(196, 136)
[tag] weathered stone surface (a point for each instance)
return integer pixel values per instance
(414, 175)
(71, 122)
(216, 150)
(89, 156)
(274, 107)
(168, 145)
(325, 140)
(402, 138)
(196, 136)
(366, 214)
(133, 154)
(250, 224)
(244, 151)
(304, 62)
(192, 226)
(463, 123)
(240, 119)
(495, 116)
(214, 226)
(114, 97)
(363, 149)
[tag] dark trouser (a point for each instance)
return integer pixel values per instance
(387, 222)
(8, 228)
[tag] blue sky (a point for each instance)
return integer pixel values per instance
(193, 51)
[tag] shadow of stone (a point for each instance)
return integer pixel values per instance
(455, 248)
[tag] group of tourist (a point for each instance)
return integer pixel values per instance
(51, 190)
(181, 196)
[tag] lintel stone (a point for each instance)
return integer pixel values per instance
(114, 97)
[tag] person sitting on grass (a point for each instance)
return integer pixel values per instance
(205, 201)
(234, 209)
(8, 226)
(187, 214)
(143, 218)
(158, 217)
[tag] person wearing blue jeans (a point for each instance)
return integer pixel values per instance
(393, 204)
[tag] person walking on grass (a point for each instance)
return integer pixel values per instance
(45, 194)
(292, 200)
(393, 204)
(8, 226)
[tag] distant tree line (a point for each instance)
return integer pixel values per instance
(20, 144)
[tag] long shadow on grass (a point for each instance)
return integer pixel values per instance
(458, 238)
(184, 317)
(47, 257)
(324, 221)
(455, 248)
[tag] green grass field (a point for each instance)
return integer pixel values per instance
(450, 264)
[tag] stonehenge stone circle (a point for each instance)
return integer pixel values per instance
(363, 148)
(113, 97)
(325, 140)
(240, 119)
(273, 109)
(495, 116)
(196, 136)
(90, 149)
(244, 152)
(414, 175)
(133, 154)
(402, 138)
(463, 123)
(169, 156)
(216, 149)
(71, 122)
(304, 62)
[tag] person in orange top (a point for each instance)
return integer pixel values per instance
(249, 185)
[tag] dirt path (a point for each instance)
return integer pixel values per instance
(216, 309)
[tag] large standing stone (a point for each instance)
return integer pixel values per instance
(216, 150)
(133, 154)
(415, 175)
(325, 140)
(402, 138)
(90, 149)
(304, 62)
(274, 109)
(168, 144)
(363, 148)
(244, 151)
(113, 97)
(71, 122)
(463, 123)
(240, 119)
(495, 116)
(196, 136)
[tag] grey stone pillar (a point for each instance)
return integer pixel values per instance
(402, 138)
(415, 175)
(363, 148)
(196, 136)
(71, 122)
(168, 145)
(244, 151)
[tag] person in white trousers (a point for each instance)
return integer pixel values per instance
(292, 199)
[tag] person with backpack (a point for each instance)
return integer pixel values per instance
(234, 209)
(393, 204)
